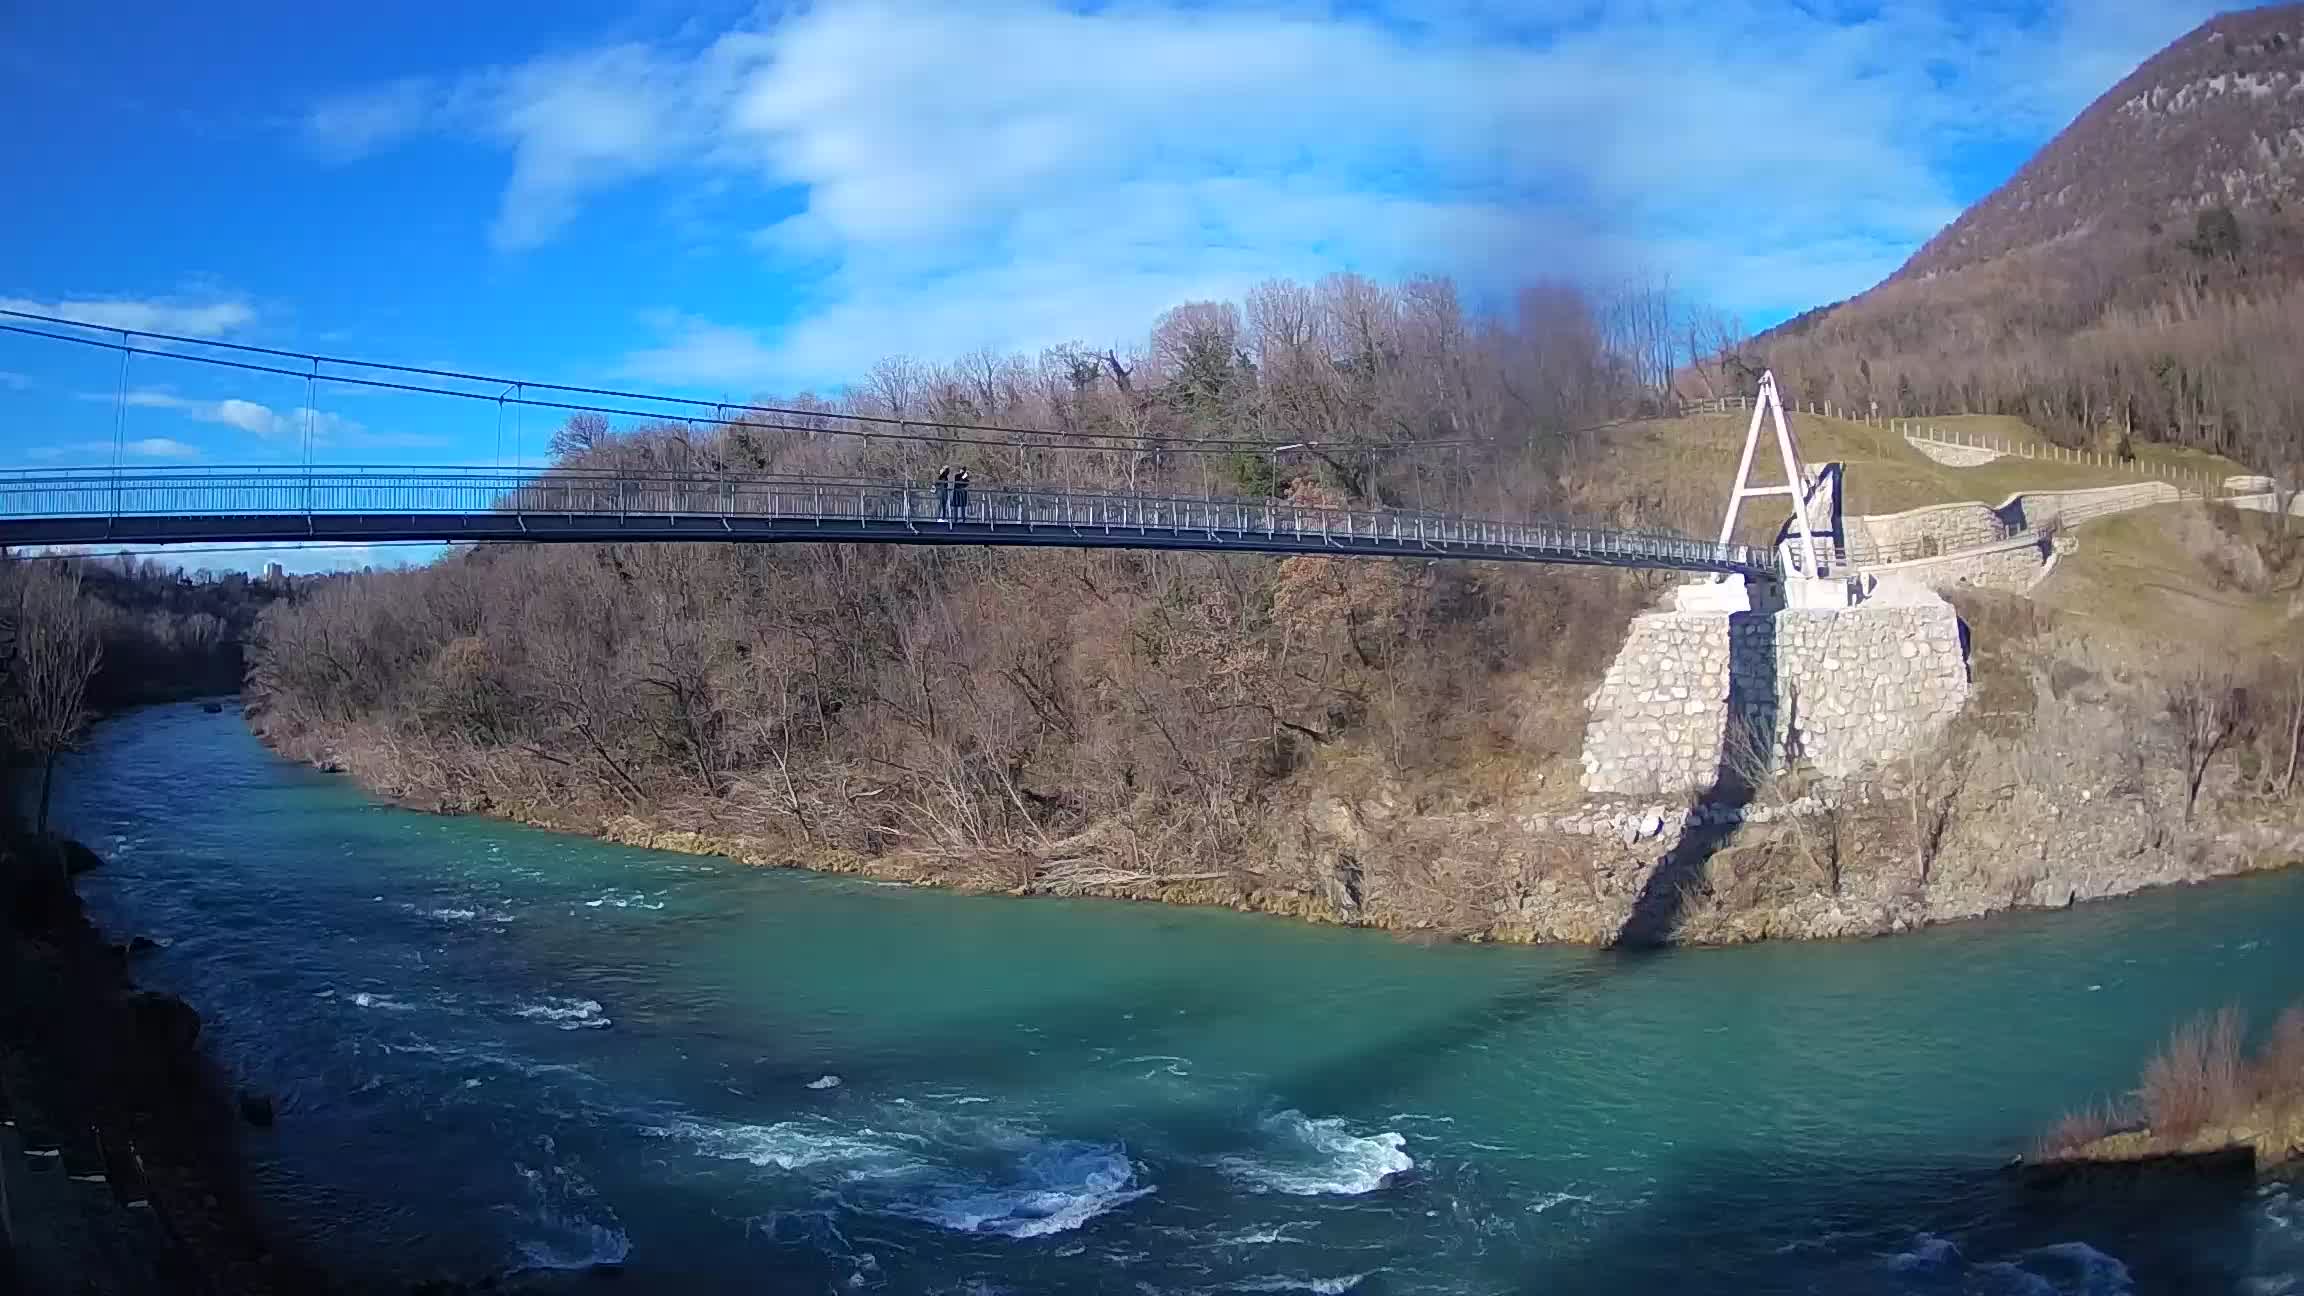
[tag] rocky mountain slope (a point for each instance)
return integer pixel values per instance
(2142, 276)
(2214, 120)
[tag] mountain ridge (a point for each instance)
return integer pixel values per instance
(2143, 273)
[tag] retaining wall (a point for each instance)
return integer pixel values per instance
(1880, 540)
(1934, 528)
(2015, 564)
(1840, 690)
(1952, 455)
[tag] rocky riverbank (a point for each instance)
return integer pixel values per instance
(2078, 796)
(124, 1170)
(2205, 1103)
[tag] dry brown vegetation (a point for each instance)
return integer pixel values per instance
(2203, 1089)
(2206, 362)
(49, 650)
(82, 636)
(2138, 279)
(1056, 720)
(1347, 739)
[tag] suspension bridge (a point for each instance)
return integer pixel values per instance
(102, 506)
(121, 504)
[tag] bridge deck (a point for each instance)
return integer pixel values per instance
(159, 506)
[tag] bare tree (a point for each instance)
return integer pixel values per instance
(1932, 783)
(579, 436)
(2201, 706)
(54, 652)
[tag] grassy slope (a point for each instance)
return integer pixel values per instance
(1680, 468)
(2138, 586)
(2150, 576)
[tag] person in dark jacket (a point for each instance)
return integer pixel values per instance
(960, 494)
(943, 492)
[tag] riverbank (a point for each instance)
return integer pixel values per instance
(128, 1176)
(2037, 800)
(2204, 1100)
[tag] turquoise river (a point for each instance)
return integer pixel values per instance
(499, 1051)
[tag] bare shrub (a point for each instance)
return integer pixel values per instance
(2202, 706)
(2077, 1129)
(2199, 1077)
(53, 650)
(2223, 548)
(2279, 1068)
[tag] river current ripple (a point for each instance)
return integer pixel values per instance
(500, 1051)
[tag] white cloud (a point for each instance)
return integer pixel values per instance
(574, 123)
(269, 424)
(309, 558)
(205, 320)
(144, 448)
(1015, 171)
(696, 352)
(346, 127)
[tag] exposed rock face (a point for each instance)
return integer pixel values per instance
(2215, 118)
(1841, 690)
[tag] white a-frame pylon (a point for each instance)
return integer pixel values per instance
(1796, 483)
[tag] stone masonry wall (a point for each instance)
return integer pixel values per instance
(1950, 455)
(1950, 526)
(2267, 502)
(1840, 690)
(2033, 509)
(1947, 528)
(2014, 565)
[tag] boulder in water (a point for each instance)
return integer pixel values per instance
(78, 859)
(164, 1022)
(142, 945)
(256, 1109)
(212, 708)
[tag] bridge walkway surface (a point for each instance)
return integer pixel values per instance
(101, 506)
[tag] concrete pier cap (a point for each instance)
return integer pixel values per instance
(1802, 593)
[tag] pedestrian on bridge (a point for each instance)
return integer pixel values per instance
(943, 492)
(960, 494)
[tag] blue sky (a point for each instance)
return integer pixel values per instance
(729, 200)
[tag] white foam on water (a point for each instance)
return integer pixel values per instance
(2081, 1268)
(1286, 1283)
(824, 1082)
(385, 1003)
(625, 900)
(966, 1176)
(564, 1225)
(567, 1014)
(1054, 1189)
(1255, 1237)
(1311, 1158)
(2061, 1269)
(2277, 1267)
(460, 913)
(1929, 1254)
(1552, 1199)
(794, 1145)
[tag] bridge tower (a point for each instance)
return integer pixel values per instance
(1806, 581)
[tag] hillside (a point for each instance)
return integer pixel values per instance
(2216, 119)
(2141, 277)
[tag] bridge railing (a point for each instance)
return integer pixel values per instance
(831, 503)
